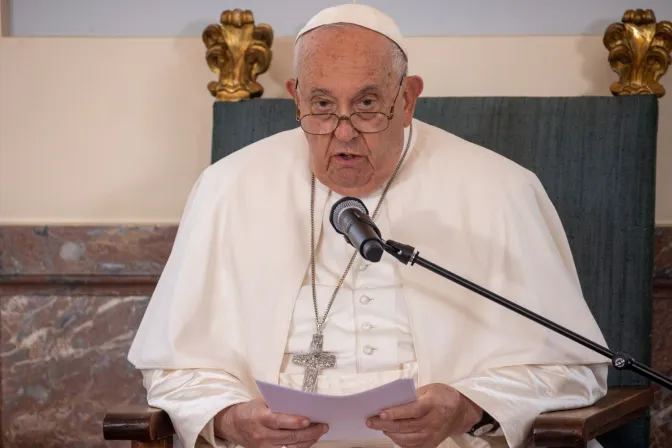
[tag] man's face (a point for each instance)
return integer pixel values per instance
(346, 70)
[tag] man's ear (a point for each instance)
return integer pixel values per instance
(290, 85)
(412, 90)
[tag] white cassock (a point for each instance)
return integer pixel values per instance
(234, 300)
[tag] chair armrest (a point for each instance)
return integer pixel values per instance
(576, 427)
(137, 422)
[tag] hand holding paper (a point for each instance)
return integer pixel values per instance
(252, 424)
(345, 415)
(439, 412)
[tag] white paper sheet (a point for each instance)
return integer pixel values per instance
(345, 414)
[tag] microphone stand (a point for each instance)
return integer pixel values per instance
(621, 361)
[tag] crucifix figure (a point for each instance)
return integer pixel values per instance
(314, 360)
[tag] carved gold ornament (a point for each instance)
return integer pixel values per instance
(238, 52)
(639, 51)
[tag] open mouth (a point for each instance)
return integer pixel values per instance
(344, 156)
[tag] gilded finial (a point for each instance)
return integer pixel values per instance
(639, 51)
(237, 51)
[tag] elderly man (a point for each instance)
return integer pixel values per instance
(257, 271)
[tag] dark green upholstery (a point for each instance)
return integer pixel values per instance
(596, 158)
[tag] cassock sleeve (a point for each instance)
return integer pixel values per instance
(194, 366)
(192, 398)
(516, 395)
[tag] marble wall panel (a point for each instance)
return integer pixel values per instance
(71, 299)
(81, 250)
(63, 364)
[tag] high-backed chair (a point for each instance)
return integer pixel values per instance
(596, 158)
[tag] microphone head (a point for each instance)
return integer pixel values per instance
(342, 205)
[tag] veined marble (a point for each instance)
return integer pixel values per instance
(63, 364)
(71, 250)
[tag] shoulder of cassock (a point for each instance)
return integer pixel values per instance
(241, 254)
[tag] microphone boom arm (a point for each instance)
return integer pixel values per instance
(620, 361)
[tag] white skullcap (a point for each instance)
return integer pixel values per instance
(362, 15)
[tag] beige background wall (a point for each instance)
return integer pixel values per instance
(116, 130)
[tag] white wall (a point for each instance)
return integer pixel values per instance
(415, 18)
(116, 130)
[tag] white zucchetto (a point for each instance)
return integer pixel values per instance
(362, 15)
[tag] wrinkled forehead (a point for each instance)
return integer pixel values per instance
(345, 60)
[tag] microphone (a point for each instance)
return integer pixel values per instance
(350, 218)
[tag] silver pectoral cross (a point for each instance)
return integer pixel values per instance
(313, 361)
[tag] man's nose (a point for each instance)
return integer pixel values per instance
(345, 131)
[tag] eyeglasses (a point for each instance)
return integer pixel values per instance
(364, 122)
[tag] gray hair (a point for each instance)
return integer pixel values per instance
(398, 59)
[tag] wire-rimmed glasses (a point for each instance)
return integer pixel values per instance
(364, 122)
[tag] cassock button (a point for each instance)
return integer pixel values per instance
(364, 300)
(368, 350)
(366, 326)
